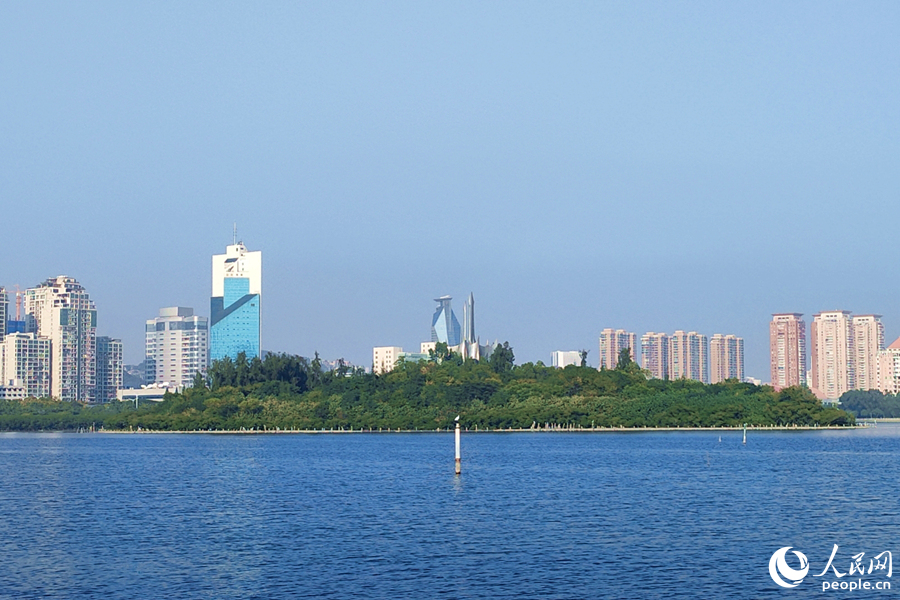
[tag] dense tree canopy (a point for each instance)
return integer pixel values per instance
(871, 404)
(291, 392)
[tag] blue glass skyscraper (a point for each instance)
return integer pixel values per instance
(236, 303)
(444, 326)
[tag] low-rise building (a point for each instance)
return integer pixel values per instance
(563, 358)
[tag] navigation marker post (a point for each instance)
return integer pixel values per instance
(458, 466)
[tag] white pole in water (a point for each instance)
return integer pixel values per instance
(457, 448)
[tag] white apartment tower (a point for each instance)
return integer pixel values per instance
(726, 358)
(176, 346)
(831, 337)
(868, 341)
(25, 361)
(655, 354)
(61, 310)
(613, 341)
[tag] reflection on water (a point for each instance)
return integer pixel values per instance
(533, 515)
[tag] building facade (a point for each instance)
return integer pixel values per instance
(176, 347)
(867, 342)
(787, 350)
(689, 356)
(109, 368)
(235, 323)
(4, 312)
(384, 358)
(562, 358)
(25, 361)
(444, 325)
(613, 341)
(655, 354)
(726, 358)
(61, 310)
(831, 355)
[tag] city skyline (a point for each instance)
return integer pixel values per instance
(711, 148)
(868, 369)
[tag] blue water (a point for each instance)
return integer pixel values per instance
(534, 515)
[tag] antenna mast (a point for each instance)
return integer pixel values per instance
(234, 235)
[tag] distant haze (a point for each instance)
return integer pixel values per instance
(646, 166)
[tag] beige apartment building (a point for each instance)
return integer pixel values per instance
(655, 354)
(613, 341)
(689, 356)
(867, 342)
(726, 358)
(831, 339)
(889, 369)
(787, 350)
(60, 310)
(384, 358)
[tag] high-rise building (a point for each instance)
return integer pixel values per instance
(468, 333)
(61, 310)
(4, 312)
(868, 341)
(655, 354)
(444, 325)
(689, 356)
(25, 361)
(726, 358)
(889, 369)
(562, 359)
(787, 350)
(831, 338)
(613, 341)
(176, 347)
(236, 304)
(109, 368)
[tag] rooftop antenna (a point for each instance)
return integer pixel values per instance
(234, 235)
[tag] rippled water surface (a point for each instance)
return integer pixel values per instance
(534, 515)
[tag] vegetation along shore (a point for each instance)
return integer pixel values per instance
(284, 392)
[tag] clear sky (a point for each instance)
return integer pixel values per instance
(637, 165)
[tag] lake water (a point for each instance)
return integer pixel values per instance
(534, 515)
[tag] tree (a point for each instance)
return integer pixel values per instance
(584, 354)
(624, 361)
(502, 359)
(199, 381)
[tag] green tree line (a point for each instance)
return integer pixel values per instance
(871, 404)
(291, 392)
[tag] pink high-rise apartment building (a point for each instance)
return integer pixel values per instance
(889, 369)
(787, 350)
(689, 356)
(655, 354)
(612, 341)
(831, 336)
(726, 358)
(868, 341)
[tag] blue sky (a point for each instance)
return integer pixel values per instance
(647, 166)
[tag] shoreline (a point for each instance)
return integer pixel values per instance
(762, 428)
